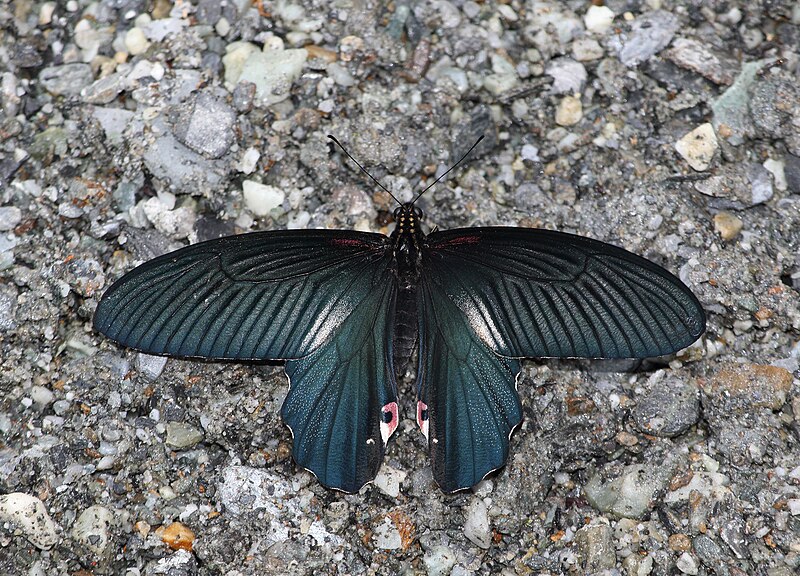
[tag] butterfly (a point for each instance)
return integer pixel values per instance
(346, 310)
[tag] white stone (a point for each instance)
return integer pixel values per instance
(439, 561)
(260, 199)
(249, 161)
(273, 72)
(698, 147)
(236, 54)
(598, 19)
(388, 480)
(92, 528)
(687, 564)
(136, 41)
(29, 515)
(387, 536)
(476, 524)
(776, 168)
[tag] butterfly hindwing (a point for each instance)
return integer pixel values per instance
(266, 295)
(467, 398)
(342, 401)
(540, 293)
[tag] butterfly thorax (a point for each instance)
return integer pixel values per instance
(406, 244)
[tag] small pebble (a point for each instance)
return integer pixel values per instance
(587, 50)
(206, 125)
(439, 560)
(67, 79)
(650, 33)
(727, 225)
(10, 217)
(92, 529)
(150, 366)
(387, 536)
(476, 523)
(249, 161)
(261, 199)
(680, 543)
(181, 435)
(389, 480)
(776, 168)
(598, 19)
(791, 171)
(569, 111)
(177, 536)
(136, 41)
(568, 76)
(698, 147)
(687, 564)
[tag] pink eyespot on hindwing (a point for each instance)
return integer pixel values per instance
(422, 417)
(389, 420)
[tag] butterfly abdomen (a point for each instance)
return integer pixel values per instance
(405, 329)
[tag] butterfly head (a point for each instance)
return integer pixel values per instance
(407, 218)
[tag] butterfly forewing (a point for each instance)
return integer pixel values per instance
(266, 295)
(540, 293)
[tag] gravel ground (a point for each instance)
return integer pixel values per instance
(130, 127)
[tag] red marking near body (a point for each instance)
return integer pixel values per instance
(459, 241)
(347, 242)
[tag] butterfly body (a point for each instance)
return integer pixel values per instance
(346, 310)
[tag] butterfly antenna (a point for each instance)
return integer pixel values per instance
(364, 170)
(432, 184)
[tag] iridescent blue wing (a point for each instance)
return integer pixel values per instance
(490, 295)
(342, 401)
(322, 299)
(467, 402)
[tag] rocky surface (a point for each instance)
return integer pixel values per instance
(129, 128)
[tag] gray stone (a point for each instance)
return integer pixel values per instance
(67, 79)
(703, 59)
(181, 435)
(649, 34)
(206, 125)
(10, 216)
(668, 409)
(596, 547)
(791, 170)
(105, 90)
(568, 76)
(731, 108)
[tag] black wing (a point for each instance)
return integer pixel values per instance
(261, 296)
(490, 295)
(540, 293)
(323, 299)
